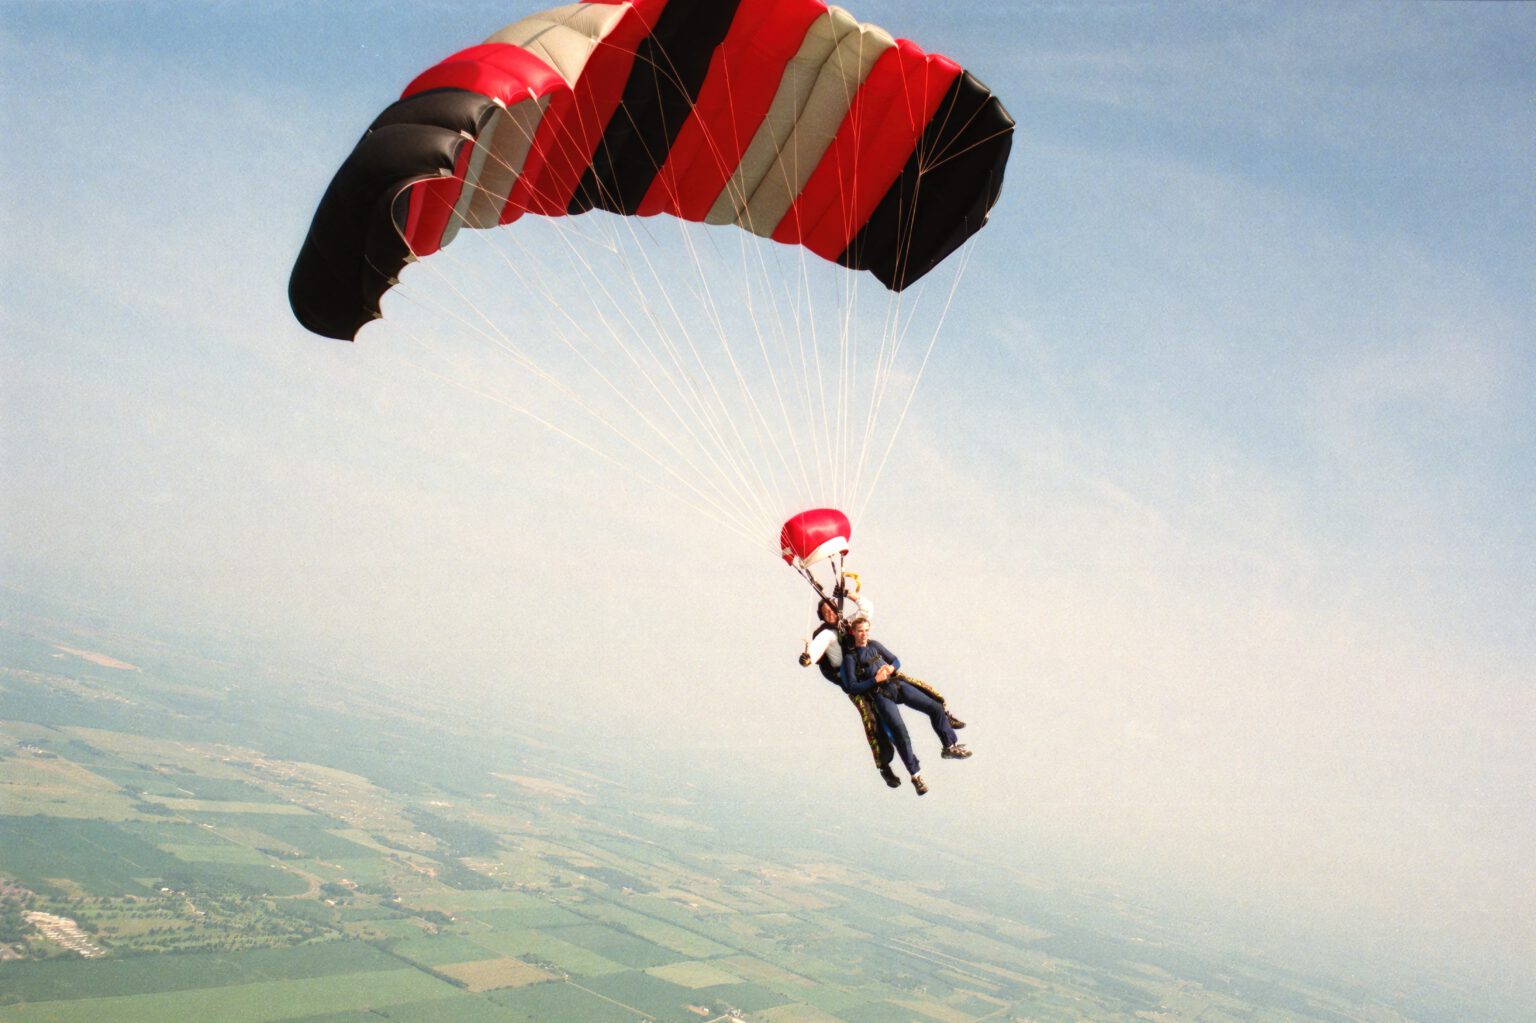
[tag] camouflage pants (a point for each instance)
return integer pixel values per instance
(879, 743)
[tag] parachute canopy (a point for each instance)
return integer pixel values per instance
(785, 118)
(813, 536)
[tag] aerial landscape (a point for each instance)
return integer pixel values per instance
(186, 838)
(677, 511)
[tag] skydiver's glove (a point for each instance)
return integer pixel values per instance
(805, 660)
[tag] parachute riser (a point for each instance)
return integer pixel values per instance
(839, 589)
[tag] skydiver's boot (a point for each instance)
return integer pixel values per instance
(920, 785)
(890, 776)
(955, 722)
(955, 752)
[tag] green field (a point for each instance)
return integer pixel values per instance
(693, 975)
(140, 975)
(439, 950)
(623, 948)
(548, 947)
(243, 1003)
(182, 785)
(543, 1003)
(99, 856)
(462, 1009)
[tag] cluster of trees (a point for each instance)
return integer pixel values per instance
(459, 838)
(13, 921)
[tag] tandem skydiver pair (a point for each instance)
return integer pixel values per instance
(871, 675)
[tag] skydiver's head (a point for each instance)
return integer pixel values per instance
(827, 610)
(860, 630)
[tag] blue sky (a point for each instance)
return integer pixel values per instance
(1215, 508)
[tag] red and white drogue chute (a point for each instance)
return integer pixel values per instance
(818, 537)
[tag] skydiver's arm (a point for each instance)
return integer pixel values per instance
(817, 647)
(884, 651)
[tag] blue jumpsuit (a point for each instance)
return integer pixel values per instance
(874, 734)
(858, 676)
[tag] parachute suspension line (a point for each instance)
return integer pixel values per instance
(735, 448)
(891, 340)
(824, 411)
(805, 574)
(820, 409)
(709, 507)
(760, 419)
(758, 324)
(669, 73)
(744, 457)
(926, 162)
(851, 343)
(815, 411)
(757, 421)
(825, 450)
(703, 413)
(880, 375)
(965, 258)
(780, 336)
(618, 340)
(889, 346)
(500, 342)
(704, 506)
(720, 162)
(895, 332)
(576, 254)
(737, 452)
(503, 343)
(849, 338)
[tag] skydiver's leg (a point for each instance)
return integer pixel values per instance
(883, 758)
(954, 722)
(924, 704)
(874, 734)
(920, 686)
(890, 717)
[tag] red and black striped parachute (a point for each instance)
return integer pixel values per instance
(786, 118)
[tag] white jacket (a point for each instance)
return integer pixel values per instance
(824, 642)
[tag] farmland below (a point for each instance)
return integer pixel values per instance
(182, 837)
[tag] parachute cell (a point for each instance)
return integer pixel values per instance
(786, 118)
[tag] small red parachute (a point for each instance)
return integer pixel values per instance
(813, 536)
(817, 536)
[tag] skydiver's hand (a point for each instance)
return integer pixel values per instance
(884, 673)
(805, 660)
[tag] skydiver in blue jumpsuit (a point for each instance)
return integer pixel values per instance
(825, 649)
(869, 667)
